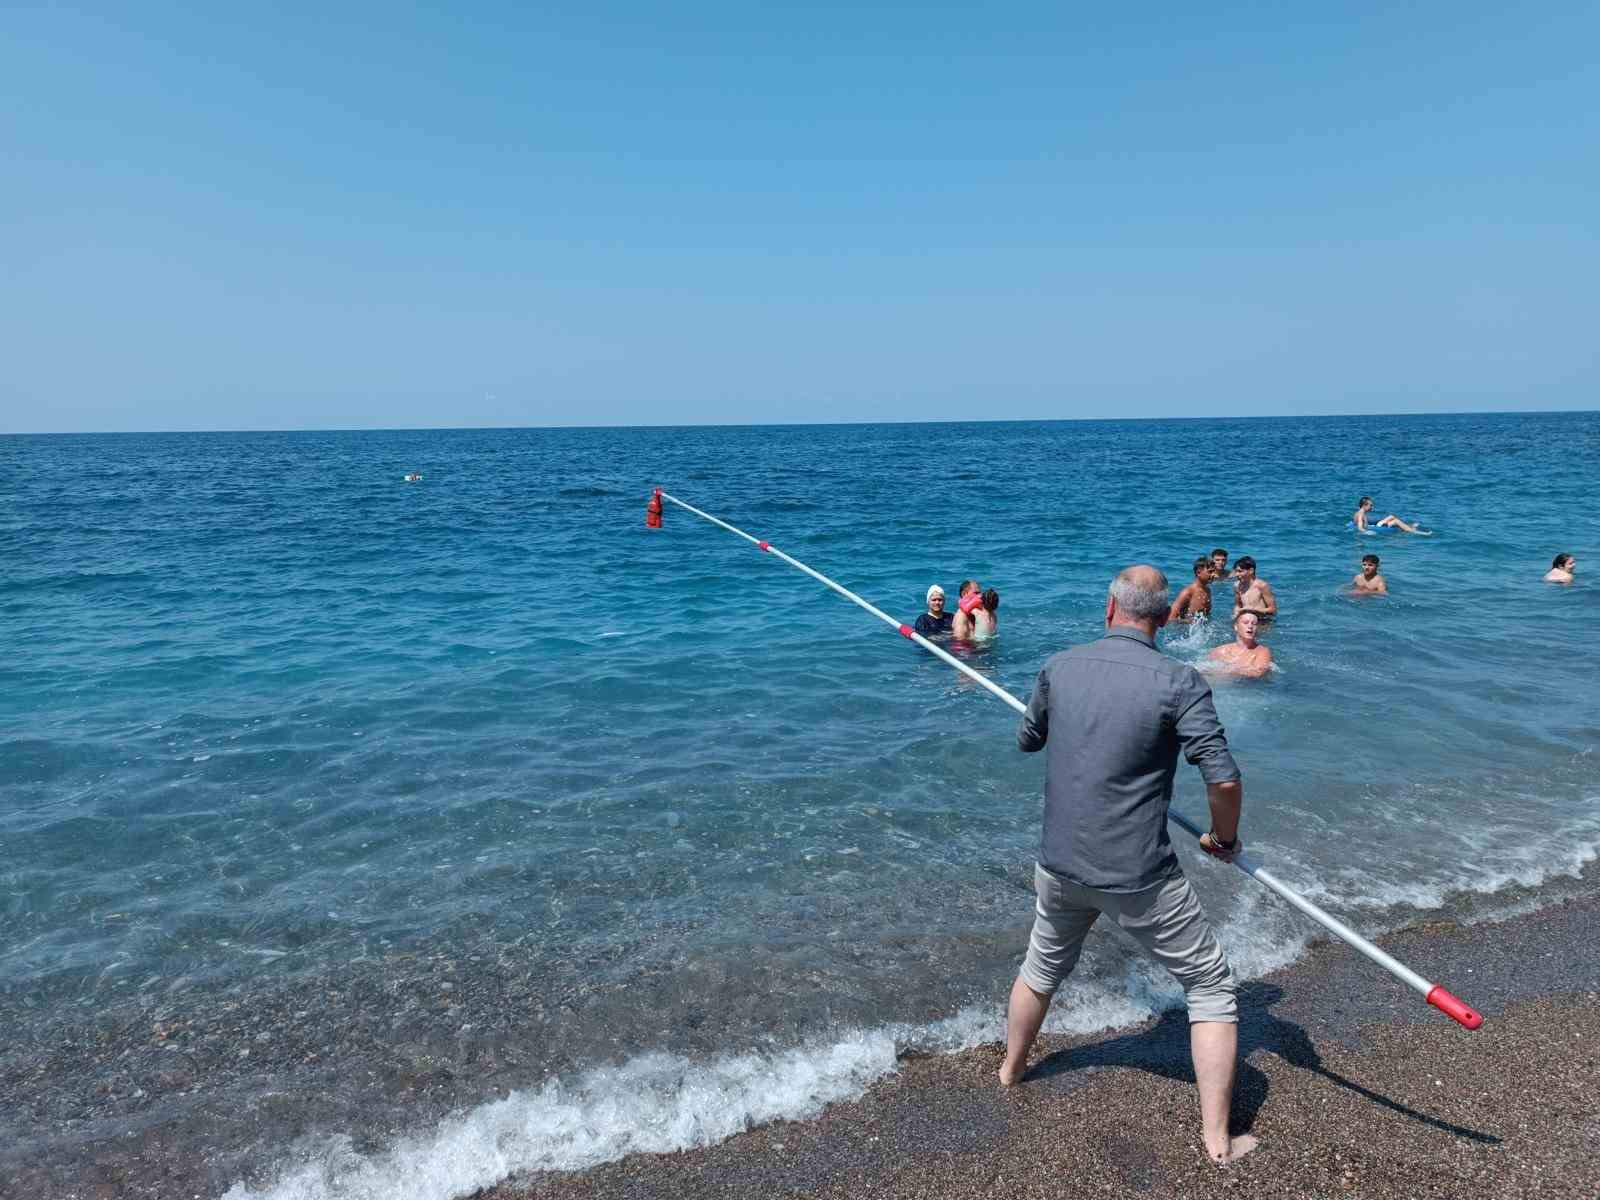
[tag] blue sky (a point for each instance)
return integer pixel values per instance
(508, 214)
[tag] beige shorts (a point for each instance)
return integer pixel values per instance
(1166, 920)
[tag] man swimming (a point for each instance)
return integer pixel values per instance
(1362, 517)
(1252, 593)
(1369, 581)
(1561, 570)
(1195, 599)
(1246, 657)
(1219, 563)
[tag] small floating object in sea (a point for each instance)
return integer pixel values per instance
(414, 477)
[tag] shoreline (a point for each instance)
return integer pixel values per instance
(1522, 962)
(1353, 1084)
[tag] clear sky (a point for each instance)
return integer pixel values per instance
(229, 216)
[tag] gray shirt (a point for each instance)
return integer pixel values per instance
(1114, 713)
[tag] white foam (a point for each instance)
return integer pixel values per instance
(652, 1104)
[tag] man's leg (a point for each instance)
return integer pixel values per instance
(1023, 1018)
(1215, 1047)
(1167, 921)
(1060, 924)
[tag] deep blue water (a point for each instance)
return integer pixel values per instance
(270, 716)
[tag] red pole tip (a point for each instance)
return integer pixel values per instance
(1456, 1010)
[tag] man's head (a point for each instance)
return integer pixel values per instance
(1138, 597)
(936, 600)
(968, 586)
(1369, 565)
(1564, 562)
(1202, 569)
(1364, 502)
(1245, 625)
(1245, 569)
(1219, 561)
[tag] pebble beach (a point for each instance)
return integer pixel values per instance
(1354, 1087)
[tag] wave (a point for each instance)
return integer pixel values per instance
(659, 1103)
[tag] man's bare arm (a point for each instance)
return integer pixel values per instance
(1226, 801)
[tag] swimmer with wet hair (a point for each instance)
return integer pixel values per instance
(1561, 569)
(1194, 600)
(961, 625)
(1369, 582)
(1246, 657)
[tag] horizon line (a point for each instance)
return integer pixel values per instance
(1469, 412)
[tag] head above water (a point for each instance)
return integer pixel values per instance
(1245, 563)
(967, 586)
(1139, 597)
(1563, 562)
(1364, 502)
(1246, 624)
(1370, 558)
(1202, 568)
(935, 596)
(991, 599)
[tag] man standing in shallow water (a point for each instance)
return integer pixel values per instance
(1114, 714)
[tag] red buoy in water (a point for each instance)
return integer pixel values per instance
(652, 511)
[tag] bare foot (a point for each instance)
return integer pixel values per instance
(1011, 1076)
(1234, 1150)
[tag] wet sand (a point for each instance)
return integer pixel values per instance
(1354, 1086)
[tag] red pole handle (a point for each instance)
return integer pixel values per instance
(1456, 1010)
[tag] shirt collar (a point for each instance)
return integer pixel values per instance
(1132, 634)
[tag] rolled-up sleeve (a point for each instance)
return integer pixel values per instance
(1200, 732)
(1034, 730)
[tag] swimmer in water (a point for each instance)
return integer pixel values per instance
(1195, 599)
(1246, 657)
(1252, 593)
(961, 621)
(414, 477)
(1362, 518)
(935, 621)
(1219, 563)
(985, 624)
(1369, 582)
(1561, 570)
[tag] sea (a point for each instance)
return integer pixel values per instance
(371, 838)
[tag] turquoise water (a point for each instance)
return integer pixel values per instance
(277, 725)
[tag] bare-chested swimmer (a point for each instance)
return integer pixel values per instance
(1252, 593)
(1561, 570)
(1219, 563)
(1369, 582)
(1362, 520)
(1195, 599)
(1246, 657)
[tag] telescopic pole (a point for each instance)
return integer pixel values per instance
(1434, 993)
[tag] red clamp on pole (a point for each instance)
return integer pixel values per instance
(1456, 1010)
(905, 630)
(763, 545)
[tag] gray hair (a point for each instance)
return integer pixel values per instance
(1141, 593)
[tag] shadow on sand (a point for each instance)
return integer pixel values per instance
(1164, 1050)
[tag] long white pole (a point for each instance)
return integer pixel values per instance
(1435, 994)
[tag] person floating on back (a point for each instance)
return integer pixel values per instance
(1252, 593)
(1246, 657)
(1369, 582)
(1113, 715)
(935, 621)
(1362, 520)
(1194, 601)
(1561, 570)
